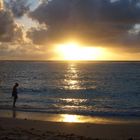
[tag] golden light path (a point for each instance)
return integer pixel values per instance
(73, 51)
(68, 118)
(86, 119)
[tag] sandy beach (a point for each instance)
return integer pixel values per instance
(17, 129)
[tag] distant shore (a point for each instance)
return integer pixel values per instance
(16, 129)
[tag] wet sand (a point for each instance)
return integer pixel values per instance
(17, 129)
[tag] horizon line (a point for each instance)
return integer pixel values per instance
(22, 60)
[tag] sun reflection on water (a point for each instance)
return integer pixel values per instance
(71, 78)
(70, 118)
(74, 101)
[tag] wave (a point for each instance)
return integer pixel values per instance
(55, 110)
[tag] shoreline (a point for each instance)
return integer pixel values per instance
(56, 117)
(13, 129)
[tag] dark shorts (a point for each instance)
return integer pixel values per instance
(15, 97)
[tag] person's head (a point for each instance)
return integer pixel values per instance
(16, 84)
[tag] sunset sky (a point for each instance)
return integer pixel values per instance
(69, 29)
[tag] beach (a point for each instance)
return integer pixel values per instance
(19, 129)
(70, 101)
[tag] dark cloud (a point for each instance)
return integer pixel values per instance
(38, 36)
(95, 22)
(18, 7)
(9, 31)
(12, 35)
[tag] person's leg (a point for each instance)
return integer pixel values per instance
(14, 101)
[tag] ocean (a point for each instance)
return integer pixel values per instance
(79, 88)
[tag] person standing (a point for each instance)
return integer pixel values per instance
(15, 94)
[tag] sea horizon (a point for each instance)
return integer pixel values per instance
(69, 61)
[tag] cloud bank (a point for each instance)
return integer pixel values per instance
(95, 22)
(106, 23)
(9, 30)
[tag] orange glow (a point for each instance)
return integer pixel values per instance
(70, 118)
(73, 51)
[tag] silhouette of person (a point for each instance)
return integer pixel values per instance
(15, 94)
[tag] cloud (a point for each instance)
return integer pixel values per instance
(9, 30)
(38, 35)
(20, 51)
(106, 23)
(18, 7)
(13, 43)
(95, 22)
(11, 36)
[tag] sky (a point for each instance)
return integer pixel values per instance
(69, 29)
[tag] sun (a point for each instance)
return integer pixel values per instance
(73, 51)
